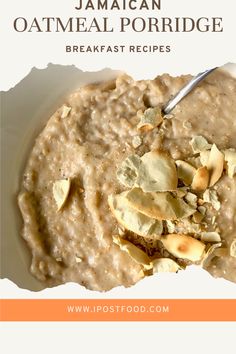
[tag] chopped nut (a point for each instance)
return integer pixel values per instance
(61, 190)
(210, 253)
(170, 226)
(154, 171)
(128, 171)
(213, 219)
(181, 192)
(187, 124)
(200, 201)
(199, 143)
(157, 172)
(150, 119)
(197, 217)
(165, 265)
(187, 226)
(65, 111)
(183, 246)
(169, 116)
(204, 157)
(210, 196)
(200, 179)
(137, 141)
(134, 252)
(230, 158)
(202, 210)
(215, 165)
(185, 171)
(133, 220)
(210, 237)
(161, 206)
(191, 199)
(165, 125)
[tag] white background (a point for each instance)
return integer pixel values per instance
(117, 338)
(191, 53)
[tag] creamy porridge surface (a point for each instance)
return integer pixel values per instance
(87, 146)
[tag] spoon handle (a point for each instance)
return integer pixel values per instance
(185, 90)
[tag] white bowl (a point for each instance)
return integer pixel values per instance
(25, 110)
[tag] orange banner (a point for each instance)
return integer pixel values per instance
(117, 310)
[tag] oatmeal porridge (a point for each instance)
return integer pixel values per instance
(113, 191)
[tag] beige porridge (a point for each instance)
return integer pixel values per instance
(112, 192)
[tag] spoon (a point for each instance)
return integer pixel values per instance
(185, 90)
